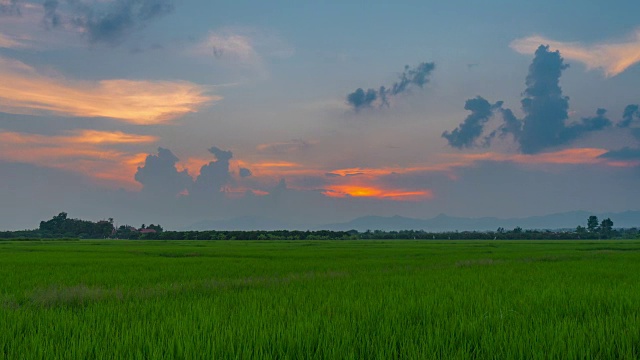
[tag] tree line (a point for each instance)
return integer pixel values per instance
(61, 226)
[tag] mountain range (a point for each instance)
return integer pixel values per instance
(442, 222)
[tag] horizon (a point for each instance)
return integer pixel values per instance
(568, 221)
(156, 111)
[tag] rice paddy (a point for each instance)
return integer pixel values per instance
(319, 299)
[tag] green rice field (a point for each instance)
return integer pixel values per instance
(113, 299)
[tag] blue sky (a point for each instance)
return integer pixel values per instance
(234, 109)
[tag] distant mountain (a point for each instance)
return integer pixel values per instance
(241, 223)
(566, 220)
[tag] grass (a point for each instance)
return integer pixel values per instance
(320, 299)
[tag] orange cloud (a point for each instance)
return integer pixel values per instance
(278, 169)
(377, 183)
(613, 58)
(193, 165)
(364, 182)
(623, 164)
(442, 167)
(23, 90)
(79, 151)
(342, 191)
(567, 156)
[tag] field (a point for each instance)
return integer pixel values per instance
(319, 299)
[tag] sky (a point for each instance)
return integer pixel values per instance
(182, 111)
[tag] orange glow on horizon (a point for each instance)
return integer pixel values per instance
(343, 191)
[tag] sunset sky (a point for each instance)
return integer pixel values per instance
(305, 113)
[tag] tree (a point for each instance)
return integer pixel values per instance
(592, 224)
(157, 228)
(606, 226)
(62, 226)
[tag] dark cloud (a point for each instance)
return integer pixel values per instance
(51, 17)
(622, 154)
(545, 107)
(465, 134)
(596, 123)
(279, 189)
(285, 147)
(360, 99)
(244, 172)
(213, 176)
(512, 125)
(160, 176)
(418, 76)
(9, 7)
(111, 25)
(546, 112)
(630, 115)
(221, 155)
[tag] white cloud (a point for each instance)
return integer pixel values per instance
(230, 47)
(612, 58)
(244, 47)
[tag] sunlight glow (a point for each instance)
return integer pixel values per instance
(613, 58)
(23, 90)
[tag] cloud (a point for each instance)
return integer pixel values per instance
(108, 22)
(8, 42)
(230, 47)
(596, 123)
(285, 147)
(159, 176)
(9, 7)
(376, 183)
(631, 115)
(360, 99)
(244, 172)
(213, 176)
(51, 17)
(574, 156)
(612, 58)
(626, 153)
(88, 152)
(512, 125)
(410, 77)
(221, 155)
(545, 107)
(76, 137)
(243, 47)
(343, 191)
(23, 90)
(465, 134)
